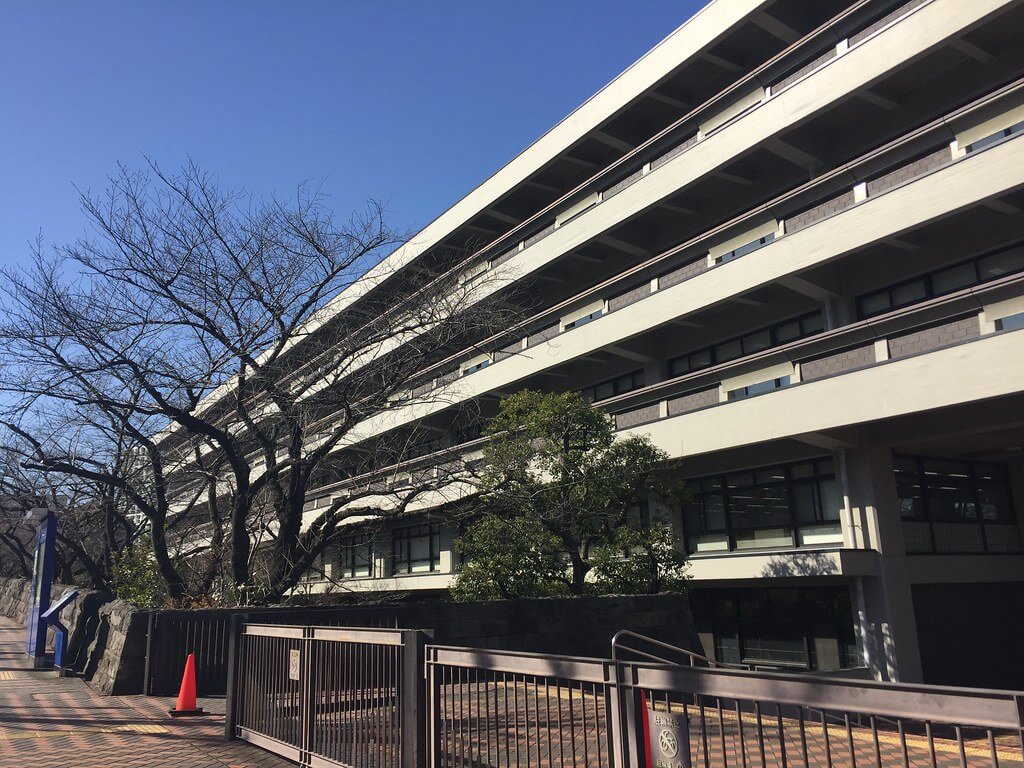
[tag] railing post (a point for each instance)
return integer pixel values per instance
(629, 725)
(233, 692)
(434, 694)
(413, 703)
(147, 680)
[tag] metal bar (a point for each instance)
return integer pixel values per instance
(273, 630)
(542, 665)
(369, 636)
(966, 706)
(782, 736)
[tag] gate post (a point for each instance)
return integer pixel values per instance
(233, 693)
(434, 702)
(627, 718)
(413, 703)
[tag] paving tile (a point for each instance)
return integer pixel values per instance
(51, 722)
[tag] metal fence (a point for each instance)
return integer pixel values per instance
(329, 696)
(377, 697)
(173, 635)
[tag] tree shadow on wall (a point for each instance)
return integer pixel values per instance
(800, 564)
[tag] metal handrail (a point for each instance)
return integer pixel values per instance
(694, 659)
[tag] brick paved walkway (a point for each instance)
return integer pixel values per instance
(47, 722)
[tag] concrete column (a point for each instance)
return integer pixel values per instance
(883, 603)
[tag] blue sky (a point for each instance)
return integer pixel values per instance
(409, 102)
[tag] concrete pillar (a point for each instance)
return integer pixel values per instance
(883, 603)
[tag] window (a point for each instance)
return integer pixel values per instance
(355, 557)
(474, 368)
(997, 136)
(750, 247)
(760, 388)
(782, 506)
(954, 506)
(755, 341)
(1010, 322)
(317, 570)
(584, 320)
(416, 549)
(940, 282)
(807, 628)
(612, 387)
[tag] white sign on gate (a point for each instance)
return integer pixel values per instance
(294, 664)
(668, 740)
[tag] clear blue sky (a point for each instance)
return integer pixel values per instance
(413, 102)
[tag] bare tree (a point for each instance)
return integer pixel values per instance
(196, 334)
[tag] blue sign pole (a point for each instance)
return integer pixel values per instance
(42, 581)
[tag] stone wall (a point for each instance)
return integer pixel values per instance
(106, 637)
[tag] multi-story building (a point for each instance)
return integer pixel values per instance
(787, 244)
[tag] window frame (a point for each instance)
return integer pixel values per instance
(773, 329)
(402, 563)
(926, 279)
(925, 514)
(724, 488)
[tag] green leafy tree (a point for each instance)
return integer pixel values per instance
(640, 561)
(135, 576)
(554, 465)
(505, 559)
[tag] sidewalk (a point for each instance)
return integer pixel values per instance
(49, 722)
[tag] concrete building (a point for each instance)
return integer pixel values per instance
(788, 245)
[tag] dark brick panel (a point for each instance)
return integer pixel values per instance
(641, 415)
(626, 182)
(910, 171)
(685, 272)
(806, 69)
(542, 335)
(692, 401)
(629, 297)
(821, 211)
(838, 362)
(676, 150)
(937, 336)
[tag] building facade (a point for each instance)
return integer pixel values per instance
(788, 245)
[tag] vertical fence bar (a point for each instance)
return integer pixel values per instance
(413, 710)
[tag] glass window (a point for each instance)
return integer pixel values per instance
(755, 342)
(955, 506)
(355, 557)
(617, 386)
(728, 350)
(954, 279)
(416, 549)
(812, 323)
(584, 320)
(908, 293)
(763, 338)
(975, 271)
(1011, 322)
(765, 507)
(787, 332)
(875, 304)
(1003, 263)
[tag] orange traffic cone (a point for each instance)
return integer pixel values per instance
(187, 694)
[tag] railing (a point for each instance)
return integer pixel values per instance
(360, 698)
(329, 696)
(702, 716)
(489, 708)
(493, 708)
(647, 648)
